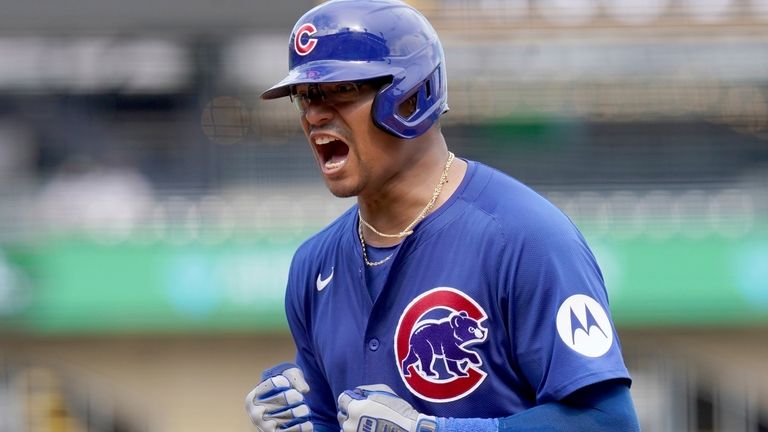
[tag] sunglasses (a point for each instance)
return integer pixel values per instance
(331, 94)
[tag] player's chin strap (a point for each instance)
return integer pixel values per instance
(377, 408)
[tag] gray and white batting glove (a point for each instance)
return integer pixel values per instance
(277, 402)
(376, 408)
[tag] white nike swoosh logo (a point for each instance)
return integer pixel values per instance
(322, 283)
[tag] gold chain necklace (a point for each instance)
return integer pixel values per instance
(409, 229)
(365, 254)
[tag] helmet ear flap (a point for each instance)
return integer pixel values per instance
(419, 99)
(413, 114)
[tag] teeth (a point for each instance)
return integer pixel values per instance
(323, 140)
(332, 165)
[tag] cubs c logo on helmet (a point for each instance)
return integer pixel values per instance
(432, 342)
(303, 48)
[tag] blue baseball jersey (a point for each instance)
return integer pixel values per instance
(493, 305)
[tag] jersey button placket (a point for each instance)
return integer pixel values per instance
(373, 344)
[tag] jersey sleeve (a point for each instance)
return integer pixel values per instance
(320, 399)
(562, 331)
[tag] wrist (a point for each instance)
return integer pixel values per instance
(450, 424)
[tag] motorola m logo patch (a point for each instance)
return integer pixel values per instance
(583, 325)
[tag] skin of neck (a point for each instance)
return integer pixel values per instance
(403, 195)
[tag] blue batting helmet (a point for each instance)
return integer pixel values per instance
(351, 40)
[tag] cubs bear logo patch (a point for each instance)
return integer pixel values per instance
(433, 343)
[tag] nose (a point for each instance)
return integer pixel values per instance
(318, 113)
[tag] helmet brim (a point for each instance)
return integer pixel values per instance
(326, 71)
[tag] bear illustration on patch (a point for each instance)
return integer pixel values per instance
(436, 345)
(444, 338)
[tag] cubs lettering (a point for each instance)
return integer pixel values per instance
(433, 355)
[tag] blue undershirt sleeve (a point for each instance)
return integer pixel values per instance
(605, 406)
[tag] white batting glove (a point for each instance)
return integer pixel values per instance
(376, 408)
(277, 402)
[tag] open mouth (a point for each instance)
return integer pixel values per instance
(333, 152)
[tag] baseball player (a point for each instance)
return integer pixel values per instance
(451, 297)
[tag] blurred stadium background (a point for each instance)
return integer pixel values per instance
(150, 203)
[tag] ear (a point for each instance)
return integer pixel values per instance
(408, 107)
(455, 320)
(464, 314)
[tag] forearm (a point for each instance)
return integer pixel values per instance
(602, 408)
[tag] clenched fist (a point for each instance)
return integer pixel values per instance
(277, 402)
(376, 408)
